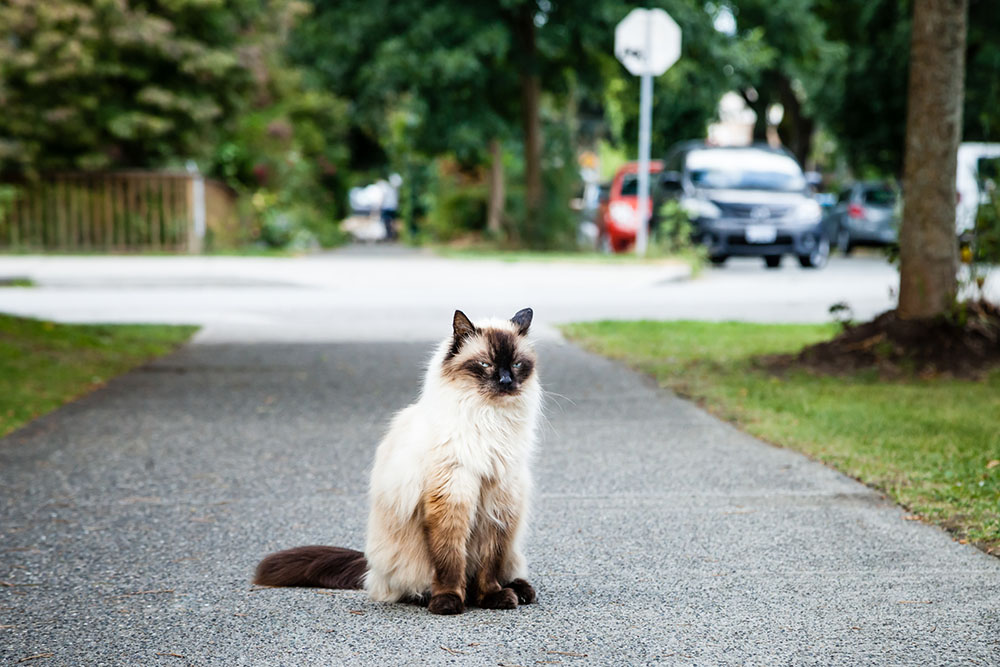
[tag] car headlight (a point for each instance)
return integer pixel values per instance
(623, 214)
(700, 208)
(807, 212)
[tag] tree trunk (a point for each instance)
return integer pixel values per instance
(530, 117)
(795, 129)
(759, 106)
(928, 249)
(494, 216)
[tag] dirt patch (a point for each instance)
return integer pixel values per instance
(965, 346)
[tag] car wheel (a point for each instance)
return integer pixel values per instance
(772, 261)
(817, 258)
(844, 242)
(718, 260)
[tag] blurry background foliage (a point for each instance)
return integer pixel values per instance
(291, 102)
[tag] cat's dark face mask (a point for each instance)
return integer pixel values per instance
(497, 359)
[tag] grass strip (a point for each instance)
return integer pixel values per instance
(563, 256)
(44, 365)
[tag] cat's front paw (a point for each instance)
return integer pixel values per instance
(505, 598)
(525, 593)
(446, 604)
(421, 600)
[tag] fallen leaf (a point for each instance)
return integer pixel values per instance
(992, 464)
(172, 655)
(37, 656)
(356, 611)
(911, 517)
(452, 651)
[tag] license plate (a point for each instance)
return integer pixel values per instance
(761, 233)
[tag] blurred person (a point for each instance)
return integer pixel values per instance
(389, 203)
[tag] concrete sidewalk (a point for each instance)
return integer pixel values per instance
(132, 519)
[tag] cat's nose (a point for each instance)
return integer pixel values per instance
(505, 378)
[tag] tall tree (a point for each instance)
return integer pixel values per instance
(927, 245)
(862, 107)
(801, 66)
(87, 84)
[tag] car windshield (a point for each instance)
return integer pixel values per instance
(880, 197)
(725, 169)
(630, 184)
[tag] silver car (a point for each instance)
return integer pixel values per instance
(866, 213)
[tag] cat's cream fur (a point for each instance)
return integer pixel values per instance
(476, 447)
(450, 485)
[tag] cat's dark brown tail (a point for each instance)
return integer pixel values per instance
(318, 566)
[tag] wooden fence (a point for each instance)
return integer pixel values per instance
(117, 211)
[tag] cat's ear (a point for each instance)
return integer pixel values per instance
(462, 326)
(522, 320)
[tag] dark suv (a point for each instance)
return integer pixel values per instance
(747, 201)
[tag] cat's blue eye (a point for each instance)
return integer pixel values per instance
(517, 365)
(485, 364)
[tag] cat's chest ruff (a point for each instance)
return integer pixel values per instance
(491, 442)
(489, 448)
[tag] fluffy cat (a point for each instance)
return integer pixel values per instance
(450, 485)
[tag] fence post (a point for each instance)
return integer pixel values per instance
(196, 197)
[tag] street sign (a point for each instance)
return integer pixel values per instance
(647, 42)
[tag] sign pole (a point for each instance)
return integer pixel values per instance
(647, 42)
(645, 120)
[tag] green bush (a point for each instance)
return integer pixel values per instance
(457, 203)
(672, 228)
(986, 245)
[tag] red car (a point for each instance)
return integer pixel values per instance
(620, 221)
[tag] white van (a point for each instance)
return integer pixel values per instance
(969, 185)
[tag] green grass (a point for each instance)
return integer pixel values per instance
(928, 444)
(491, 253)
(243, 251)
(43, 364)
(17, 282)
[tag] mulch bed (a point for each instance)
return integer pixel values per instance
(962, 347)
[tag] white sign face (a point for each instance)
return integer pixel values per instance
(647, 41)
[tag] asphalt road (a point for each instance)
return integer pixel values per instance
(132, 519)
(393, 294)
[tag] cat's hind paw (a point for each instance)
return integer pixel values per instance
(525, 593)
(505, 598)
(446, 604)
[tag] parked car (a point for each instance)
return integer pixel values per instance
(620, 218)
(747, 201)
(866, 213)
